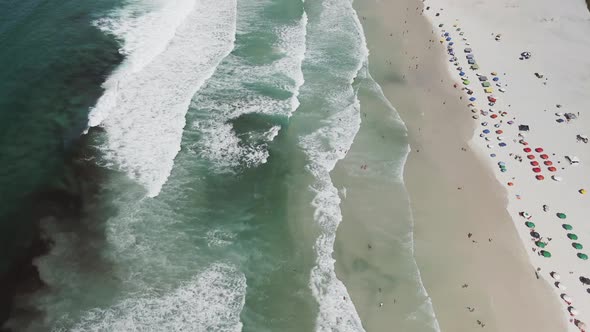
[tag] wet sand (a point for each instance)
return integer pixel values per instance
(486, 277)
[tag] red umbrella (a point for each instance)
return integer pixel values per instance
(540, 177)
(536, 170)
(530, 156)
(493, 116)
(499, 132)
(552, 169)
(535, 163)
(548, 162)
(524, 143)
(527, 149)
(544, 156)
(539, 149)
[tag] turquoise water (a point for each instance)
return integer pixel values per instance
(214, 139)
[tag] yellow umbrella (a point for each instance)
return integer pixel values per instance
(582, 191)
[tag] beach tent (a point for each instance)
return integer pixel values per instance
(523, 128)
(567, 227)
(488, 90)
(582, 256)
(561, 215)
(483, 78)
(540, 244)
(572, 236)
(577, 246)
(545, 253)
(485, 84)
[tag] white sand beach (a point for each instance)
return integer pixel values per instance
(538, 51)
(468, 230)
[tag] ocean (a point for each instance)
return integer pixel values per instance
(168, 165)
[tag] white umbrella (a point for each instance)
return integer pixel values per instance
(560, 285)
(566, 298)
(572, 311)
(581, 325)
(555, 275)
(500, 138)
(556, 178)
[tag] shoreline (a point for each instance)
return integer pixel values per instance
(437, 149)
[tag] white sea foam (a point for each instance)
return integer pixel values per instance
(325, 147)
(219, 142)
(210, 302)
(172, 50)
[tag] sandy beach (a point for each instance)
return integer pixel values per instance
(472, 246)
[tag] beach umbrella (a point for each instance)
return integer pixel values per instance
(552, 169)
(536, 170)
(486, 131)
(539, 150)
(540, 177)
(493, 155)
(582, 256)
(535, 163)
(555, 275)
(496, 79)
(527, 150)
(561, 215)
(472, 99)
(530, 156)
(567, 227)
(544, 156)
(494, 73)
(582, 191)
(566, 298)
(446, 34)
(493, 116)
(501, 163)
(510, 122)
(466, 82)
(581, 325)
(545, 253)
(577, 245)
(461, 73)
(585, 280)
(535, 235)
(556, 178)
(499, 131)
(448, 39)
(503, 170)
(572, 236)
(560, 285)
(548, 162)
(451, 43)
(530, 224)
(572, 311)
(540, 244)
(510, 184)
(502, 144)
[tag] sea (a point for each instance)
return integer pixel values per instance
(166, 165)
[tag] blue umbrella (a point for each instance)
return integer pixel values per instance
(472, 99)
(451, 43)
(502, 144)
(448, 38)
(496, 79)
(461, 73)
(493, 155)
(486, 131)
(446, 34)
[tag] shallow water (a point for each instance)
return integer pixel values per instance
(217, 210)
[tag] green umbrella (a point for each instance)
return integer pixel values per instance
(561, 215)
(572, 236)
(582, 256)
(567, 227)
(546, 253)
(577, 245)
(530, 224)
(466, 82)
(540, 244)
